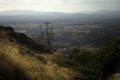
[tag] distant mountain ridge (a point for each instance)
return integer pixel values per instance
(30, 12)
(28, 16)
(23, 12)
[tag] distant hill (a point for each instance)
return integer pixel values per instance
(27, 16)
(29, 12)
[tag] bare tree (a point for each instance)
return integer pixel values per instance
(46, 36)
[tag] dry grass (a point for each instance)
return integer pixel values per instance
(114, 77)
(33, 68)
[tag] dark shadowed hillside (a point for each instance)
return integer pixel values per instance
(21, 39)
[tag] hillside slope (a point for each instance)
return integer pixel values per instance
(20, 59)
(20, 38)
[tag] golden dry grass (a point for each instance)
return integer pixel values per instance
(33, 68)
(115, 76)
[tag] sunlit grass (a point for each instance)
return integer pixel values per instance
(114, 77)
(33, 68)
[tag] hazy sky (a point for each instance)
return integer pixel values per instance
(60, 5)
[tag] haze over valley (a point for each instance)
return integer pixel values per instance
(75, 28)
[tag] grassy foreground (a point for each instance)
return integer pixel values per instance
(19, 63)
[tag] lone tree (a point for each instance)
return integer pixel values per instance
(46, 35)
